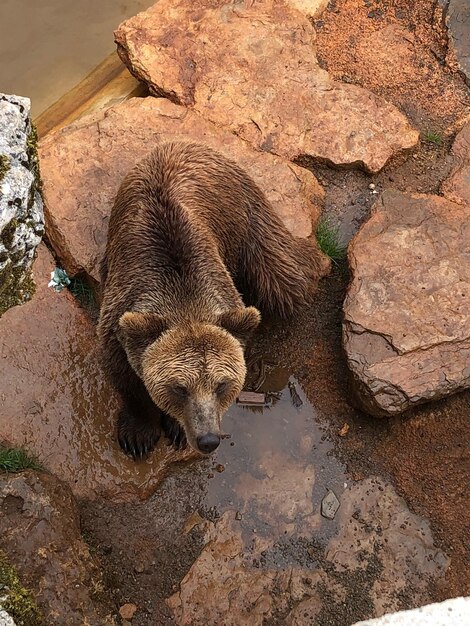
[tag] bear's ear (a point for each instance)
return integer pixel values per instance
(137, 331)
(241, 323)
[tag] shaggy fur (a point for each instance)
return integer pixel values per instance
(189, 233)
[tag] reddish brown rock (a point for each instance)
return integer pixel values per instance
(251, 67)
(40, 533)
(406, 325)
(83, 165)
(127, 611)
(56, 403)
(457, 186)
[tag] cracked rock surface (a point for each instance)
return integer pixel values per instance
(406, 328)
(252, 68)
(91, 157)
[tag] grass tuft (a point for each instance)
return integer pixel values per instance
(329, 240)
(432, 137)
(81, 290)
(16, 459)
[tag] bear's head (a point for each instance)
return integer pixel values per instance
(193, 371)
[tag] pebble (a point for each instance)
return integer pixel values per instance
(127, 611)
(139, 568)
(238, 516)
(329, 505)
(371, 186)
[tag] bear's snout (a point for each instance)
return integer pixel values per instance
(208, 443)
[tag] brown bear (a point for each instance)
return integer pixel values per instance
(192, 240)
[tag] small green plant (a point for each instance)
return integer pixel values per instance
(82, 291)
(16, 459)
(329, 240)
(432, 137)
(15, 599)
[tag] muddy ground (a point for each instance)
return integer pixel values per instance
(147, 548)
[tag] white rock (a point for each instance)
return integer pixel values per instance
(455, 612)
(5, 619)
(21, 209)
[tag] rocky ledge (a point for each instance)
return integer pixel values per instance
(21, 215)
(252, 68)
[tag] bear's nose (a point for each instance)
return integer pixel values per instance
(208, 443)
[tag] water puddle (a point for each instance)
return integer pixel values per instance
(278, 463)
(48, 47)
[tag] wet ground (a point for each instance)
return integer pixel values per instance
(246, 524)
(48, 46)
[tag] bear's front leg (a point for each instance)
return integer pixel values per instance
(174, 432)
(138, 426)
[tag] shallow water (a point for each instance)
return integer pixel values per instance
(48, 46)
(277, 464)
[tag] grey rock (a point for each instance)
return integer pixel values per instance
(458, 24)
(329, 505)
(21, 208)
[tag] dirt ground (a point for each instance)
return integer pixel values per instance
(397, 49)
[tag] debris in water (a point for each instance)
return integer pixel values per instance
(251, 398)
(329, 505)
(344, 430)
(193, 520)
(296, 400)
(59, 279)
(127, 611)
(238, 516)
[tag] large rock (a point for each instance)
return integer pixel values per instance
(458, 23)
(21, 215)
(251, 67)
(90, 158)
(56, 403)
(406, 327)
(457, 185)
(40, 533)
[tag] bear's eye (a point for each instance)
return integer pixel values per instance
(221, 387)
(180, 391)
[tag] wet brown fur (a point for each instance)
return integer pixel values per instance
(188, 234)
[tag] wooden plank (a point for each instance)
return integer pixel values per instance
(110, 82)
